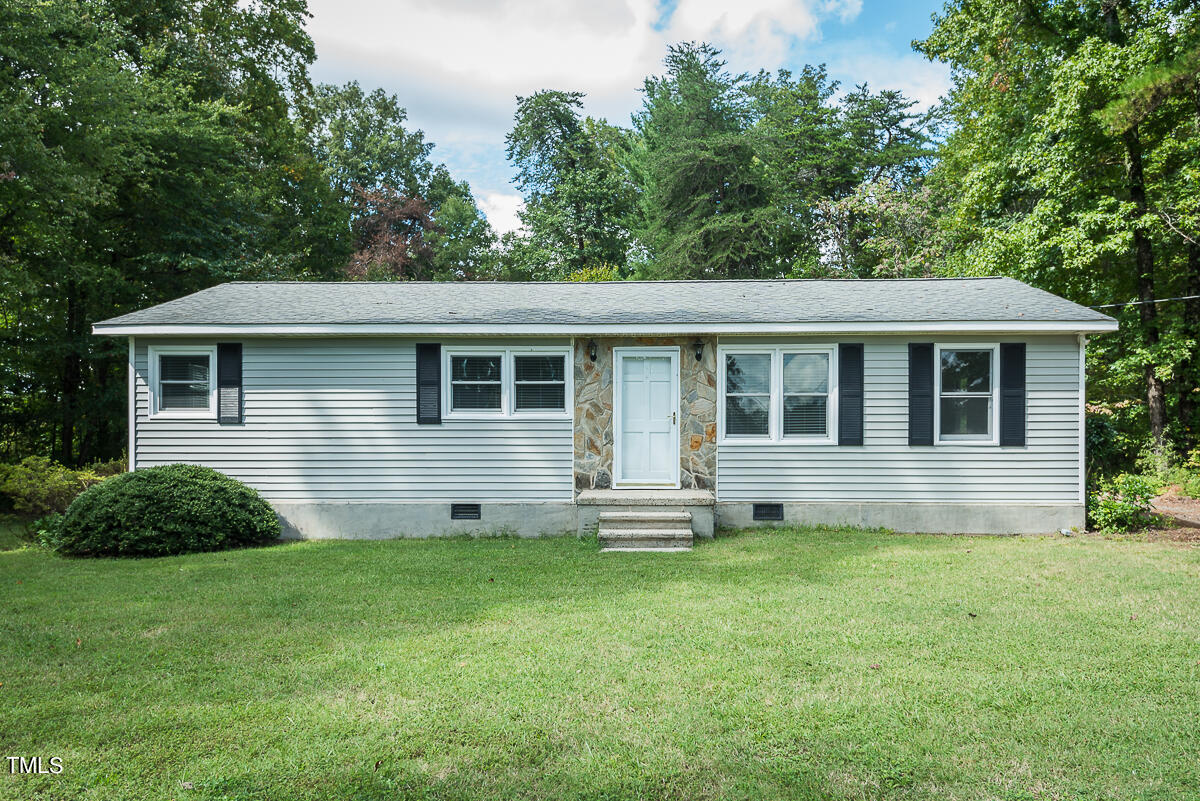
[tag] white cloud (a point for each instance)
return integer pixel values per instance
(918, 78)
(456, 65)
(502, 210)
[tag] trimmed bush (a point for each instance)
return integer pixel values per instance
(159, 511)
(1123, 504)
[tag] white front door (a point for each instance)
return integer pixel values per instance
(646, 408)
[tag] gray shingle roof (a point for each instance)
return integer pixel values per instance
(974, 300)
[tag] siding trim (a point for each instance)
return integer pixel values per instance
(612, 329)
(132, 455)
(1082, 417)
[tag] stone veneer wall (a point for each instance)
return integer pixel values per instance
(594, 410)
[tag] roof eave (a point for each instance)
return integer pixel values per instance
(612, 329)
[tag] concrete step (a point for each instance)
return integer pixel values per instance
(645, 530)
(640, 503)
(645, 540)
(676, 520)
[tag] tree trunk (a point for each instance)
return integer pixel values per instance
(1143, 250)
(1143, 254)
(71, 372)
(1189, 386)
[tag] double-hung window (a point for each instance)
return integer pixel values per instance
(504, 382)
(806, 394)
(540, 382)
(966, 404)
(747, 394)
(182, 381)
(780, 393)
(475, 382)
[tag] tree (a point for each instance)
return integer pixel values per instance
(138, 151)
(705, 198)
(152, 148)
(1047, 190)
(577, 199)
(426, 225)
(819, 154)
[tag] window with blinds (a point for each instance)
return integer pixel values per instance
(778, 393)
(805, 394)
(182, 381)
(540, 382)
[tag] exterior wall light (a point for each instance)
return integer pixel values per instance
(591, 349)
(699, 346)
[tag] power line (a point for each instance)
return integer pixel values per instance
(1144, 302)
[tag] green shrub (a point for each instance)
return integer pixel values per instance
(159, 511)
(1123, 504)
(45, 531)
(38, 486)
(1190, 486)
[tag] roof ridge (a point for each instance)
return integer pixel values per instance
(634, 281)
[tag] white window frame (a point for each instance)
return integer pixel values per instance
(775, 435)
(994, 378)
(448, 410)
(153, 354)
(508, 377)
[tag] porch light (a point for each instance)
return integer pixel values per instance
(699, 346)
(591, 348)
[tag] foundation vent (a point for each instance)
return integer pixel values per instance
(465, 511)
(768, 511)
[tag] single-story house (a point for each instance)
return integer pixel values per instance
(652, 409)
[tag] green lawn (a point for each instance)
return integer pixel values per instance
(12, 535)
(797, 663)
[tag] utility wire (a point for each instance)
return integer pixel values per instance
(1144, 302)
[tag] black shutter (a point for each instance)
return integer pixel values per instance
(229, 382)
(850, 394)
(920, 394)
(1012, 394)
(429, 384)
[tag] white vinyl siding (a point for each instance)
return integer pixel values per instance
(334, 419)
(886, 468)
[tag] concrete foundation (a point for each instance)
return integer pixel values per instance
(928, 518)
(380, 521)
(393, 520)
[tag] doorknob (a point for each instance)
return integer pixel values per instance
(672, 418)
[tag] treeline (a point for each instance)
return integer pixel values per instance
(719, 176)
(149, 148)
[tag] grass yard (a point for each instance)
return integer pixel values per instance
(12, 534)
(796, 663)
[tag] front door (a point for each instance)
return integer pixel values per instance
(646, 412)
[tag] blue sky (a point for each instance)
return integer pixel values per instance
(457, 65)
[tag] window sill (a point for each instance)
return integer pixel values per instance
(451, 417)
(786, 441)
(205, 414)
(973, 443)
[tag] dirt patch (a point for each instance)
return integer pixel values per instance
(1183, 511)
